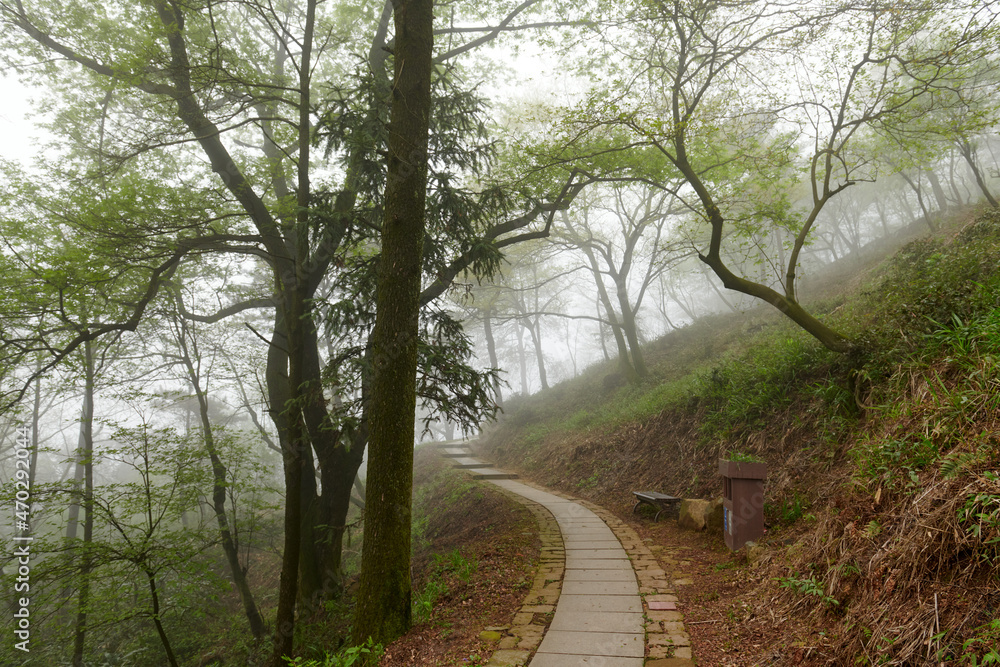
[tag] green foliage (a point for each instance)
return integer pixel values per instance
(980, 516)
(872, 530)
(444, 489)
(849, 569)
(930, 292)
(456, 564)
(963, 342)
(630, 404)
(147, 534)
(423, 601)
(465, 491)
(932, 355)
(743, 457)
(448, 388)
(807, 586)
(418, 531)
(141, 534)
(955, 463)
(452, 564)
(982, 649)
(589, 482)
(746, 390)
(362, 654)
(895, 461)
(790, 510)
(838, 399)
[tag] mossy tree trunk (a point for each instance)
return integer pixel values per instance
(383, 605)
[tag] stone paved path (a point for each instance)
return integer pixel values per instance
(613, 605)
(598, 619)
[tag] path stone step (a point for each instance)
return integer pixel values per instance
(617, 644)
(600, 588)
(592, 564)
(587, 621)
(443, 444)
(469, 463)
(598, 554)
(585, 528)
(456, 452)
(601, 603)
(584, 536)
(598, 616)
(599, 543)
(554, 660)
(604, 574)
(493, 474)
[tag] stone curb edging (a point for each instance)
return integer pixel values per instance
(666, 636)
(519, 642)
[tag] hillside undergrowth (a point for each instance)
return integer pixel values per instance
(883, 488)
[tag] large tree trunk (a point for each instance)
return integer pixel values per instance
(339, 455)
(383, 605)
(830, 338)
(310, 586)
(73, 514)
(338, 472)
(294, 313)
(295, 446)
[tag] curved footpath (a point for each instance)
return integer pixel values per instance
(613, 605)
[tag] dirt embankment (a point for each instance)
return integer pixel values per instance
(847, 572)
(666, 453)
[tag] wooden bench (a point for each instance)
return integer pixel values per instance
(660, 501)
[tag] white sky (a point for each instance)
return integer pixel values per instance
(16, 132)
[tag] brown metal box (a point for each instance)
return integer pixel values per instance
(742, 501)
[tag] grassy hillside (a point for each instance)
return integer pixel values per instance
(883, 499)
